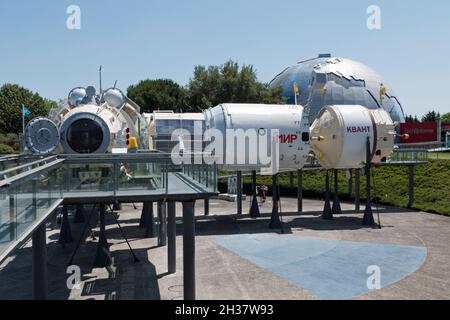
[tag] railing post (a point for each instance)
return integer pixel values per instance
(12, 215)
(291, 180)
(115, 180)
(31, 217)
(67, 178)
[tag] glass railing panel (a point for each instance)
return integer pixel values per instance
(25, 205)
(140, 176)
(86, 178)
(7, 218)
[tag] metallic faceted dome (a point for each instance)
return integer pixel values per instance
(327, 80)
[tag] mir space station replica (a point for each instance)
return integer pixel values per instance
(339, 111)
(337, 104)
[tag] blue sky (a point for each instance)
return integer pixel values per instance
(140, 39)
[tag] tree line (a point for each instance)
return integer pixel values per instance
(430, 116)
(208, 87)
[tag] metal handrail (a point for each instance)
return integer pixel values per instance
(30, 174)
(26, 166)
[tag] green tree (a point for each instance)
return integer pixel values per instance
(12, 97)
(446, 117)
(229, 83)
(411, 119)
(6, 150)
(431, 116)
(163, 94)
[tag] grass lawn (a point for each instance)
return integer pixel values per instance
(439, 156)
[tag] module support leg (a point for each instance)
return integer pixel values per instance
(171, 237)
(65, 233)
(350, 183)
(239, 192)
(40, 271)
(411, 187)
(254, 208)
(189, 250)
(357, 190)
(148, 220)
(291, 180)
(327, 212)
(300, 191)
(275, 222)
(206, 207)
(336, 209)
(368, 214)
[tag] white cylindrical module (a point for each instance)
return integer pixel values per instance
(246, 135)
(345, 129)
(89, 129)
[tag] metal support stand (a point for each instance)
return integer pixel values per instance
(162, 226)
(411, 187)
(144, 215)
(40, 271)
(300, 191)
(65, 233)
(150, 228)
(275, 222)
(357, 190)
(171, 237)
(291, 180)
(189, 250)
(327, 212)
(368, 214)
(79, 214)
(117, 206)
(336, 209)
(350, 183)
(206, 207)
(102, 256)
(254, 208)
(239, 192)
(123, 235)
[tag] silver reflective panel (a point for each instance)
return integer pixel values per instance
(346, 82)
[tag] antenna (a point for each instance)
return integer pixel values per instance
(115, 84)
(100, 75)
